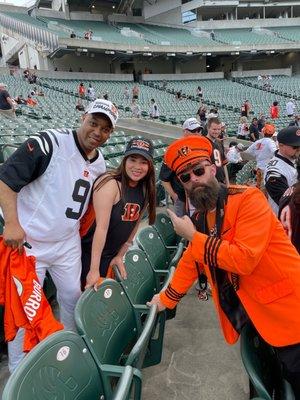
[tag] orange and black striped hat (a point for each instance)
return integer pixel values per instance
(187, 150)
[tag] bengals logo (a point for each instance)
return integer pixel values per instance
(131, 212)
(184, 151)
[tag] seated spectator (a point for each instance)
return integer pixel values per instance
(254, 130)
(261, 122)
(223, 134)
(135, 110)
(31, 102)
(105, 96)
(79, 106)
(235, 161)
(243, 129)
(20, 100)
(26, 73)
(81, 90)
(40, 92)
(202, 113)
(91, 95)
(72, 36)
(296, 121)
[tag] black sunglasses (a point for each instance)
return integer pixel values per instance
(199, 170)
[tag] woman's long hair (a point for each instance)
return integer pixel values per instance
(148, 182)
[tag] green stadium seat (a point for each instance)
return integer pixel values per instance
(141, 285)
(8, 150)
(159, 255)
(165, 229)
(262, 366)
(108, 323)
(123, 389)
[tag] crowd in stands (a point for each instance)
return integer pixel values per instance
(198, 174)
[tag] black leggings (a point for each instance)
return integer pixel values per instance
(289, 356)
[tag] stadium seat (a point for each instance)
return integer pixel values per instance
(123, 389)
(159, 255)
(108, 323)
(141, 285)
(60, 364)
(262, 366)
(165, 229)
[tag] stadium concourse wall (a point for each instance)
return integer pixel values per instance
(151, 77)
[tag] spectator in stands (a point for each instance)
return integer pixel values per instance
(38, 170)
(135, 92)
(290, 108)
(202, 113)
(135, 109)
(199, 92)
(20, 100)
(140, 76)
(91, 95)
(254, 130)
(126, 93)
(31, 102)
(88, 34)
(32, 78)
(178, 95)
(261, 122)
(296, 121)
(26, 73)
(105, 96)
(289, 212)
(245, 109)
(79, 106)
(154, 111)
(223, 134)
(7, 108)
(274, 110)
(191, 126)
(72, 36)
(214, 128)
(243, 129)
(120, 198)
(230, 225)
(81, 90)
(80, 69)
(234, 158)
(70, 69)
(263, 150)
(40, 92)
(281, 171)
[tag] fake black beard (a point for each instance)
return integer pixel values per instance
(204, 197)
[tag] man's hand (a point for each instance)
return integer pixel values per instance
(118, 261)
(285, 219)
(183, 226)
(156, 300)
(14, 236)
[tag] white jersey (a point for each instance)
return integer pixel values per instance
(263, 150)
(54, 185)
(280, 170)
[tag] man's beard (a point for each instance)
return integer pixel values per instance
(204, 197)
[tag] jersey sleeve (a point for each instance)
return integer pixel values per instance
(276, 185)
(28, 162)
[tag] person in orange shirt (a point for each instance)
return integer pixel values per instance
(274, 111)
(31, 102)
(249, 261)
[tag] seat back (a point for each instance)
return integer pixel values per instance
(261, 364)
(149, 240)
(59, 367)
(140, 285)
(106, 321)
(165, 229)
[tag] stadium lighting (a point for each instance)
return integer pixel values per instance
(109, 52)
(208, 66)
(113, 7)
(129, 52)
(189, 53)
(253, 51)
(208, 54)
(147, 54)
(171, 54)
(272, 51)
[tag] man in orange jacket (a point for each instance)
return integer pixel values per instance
(249, 261)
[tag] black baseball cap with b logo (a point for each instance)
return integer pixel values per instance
(140, 146)
(289, 136)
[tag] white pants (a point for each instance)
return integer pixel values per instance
(63, 261)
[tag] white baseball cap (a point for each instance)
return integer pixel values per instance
(104, 107)
(190, 124)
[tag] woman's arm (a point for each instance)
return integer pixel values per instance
(103, 201)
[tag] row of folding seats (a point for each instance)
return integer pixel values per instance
(115, 330)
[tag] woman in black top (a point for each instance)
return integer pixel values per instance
(120, 198)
